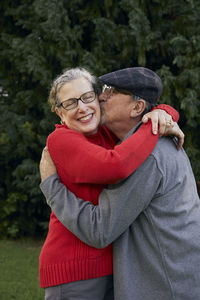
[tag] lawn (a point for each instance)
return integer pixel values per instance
(19, 270)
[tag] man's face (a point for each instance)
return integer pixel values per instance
(115, 109)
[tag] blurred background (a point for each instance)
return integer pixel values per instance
(40, 38)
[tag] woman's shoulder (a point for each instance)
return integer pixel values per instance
(64, 130)
(64, 134)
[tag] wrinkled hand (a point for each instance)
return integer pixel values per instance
(166, 125)
(158, 117)
(176, 131)
(47, 166)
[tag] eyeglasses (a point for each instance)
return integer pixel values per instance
(110, 90)
(73, 102)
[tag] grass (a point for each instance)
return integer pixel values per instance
(19, 270)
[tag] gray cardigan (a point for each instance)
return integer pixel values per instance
(153, 220)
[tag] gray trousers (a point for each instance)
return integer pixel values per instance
(100, 288)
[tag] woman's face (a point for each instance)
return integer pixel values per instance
(84, 118)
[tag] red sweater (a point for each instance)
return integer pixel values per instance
(84, 164)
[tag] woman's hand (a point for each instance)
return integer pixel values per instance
(47, 166)
(166, 125)
(176, 131)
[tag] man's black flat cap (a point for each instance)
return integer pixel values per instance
(141, 82)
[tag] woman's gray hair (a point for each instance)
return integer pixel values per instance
(67, 76)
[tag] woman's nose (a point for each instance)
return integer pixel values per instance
(82, 106)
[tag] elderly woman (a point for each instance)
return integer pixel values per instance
(86, 158)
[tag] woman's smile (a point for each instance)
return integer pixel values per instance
(85, 117)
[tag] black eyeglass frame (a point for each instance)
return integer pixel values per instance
(76, 100)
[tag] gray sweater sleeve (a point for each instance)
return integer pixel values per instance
(119, 205)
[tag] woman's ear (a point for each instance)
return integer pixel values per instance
(59, 113)
(138, 108)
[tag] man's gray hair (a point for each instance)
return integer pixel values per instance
(148, 105)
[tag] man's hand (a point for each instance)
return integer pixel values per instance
(47, 166)
(166, 125)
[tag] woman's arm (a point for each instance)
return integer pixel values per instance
(85, 162)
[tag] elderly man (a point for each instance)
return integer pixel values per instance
(152, 218)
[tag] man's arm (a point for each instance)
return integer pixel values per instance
(118, 206)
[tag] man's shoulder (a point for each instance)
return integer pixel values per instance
(165, 146)
(167, 156)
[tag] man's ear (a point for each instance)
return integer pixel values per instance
(137, 108)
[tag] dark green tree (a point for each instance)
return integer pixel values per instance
(41, 38)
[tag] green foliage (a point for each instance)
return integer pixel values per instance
(41, 38)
